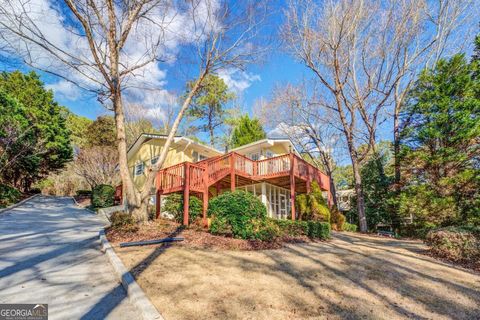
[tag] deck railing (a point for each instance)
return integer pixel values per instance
(273, 166)
(243, 164)
(204, 173)
(171, 178)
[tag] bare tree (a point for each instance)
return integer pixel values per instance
(295, 111)
(97, 165)
(117, 44)
(357, 51)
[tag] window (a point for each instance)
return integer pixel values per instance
(269, 154)
(154, 160)
(139, 169)
(255, 156)
(198, 157)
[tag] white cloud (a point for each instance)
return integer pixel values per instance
(65, 89)
(238, 80)
(169, 25)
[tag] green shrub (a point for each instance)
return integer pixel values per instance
(312, 206)
(236, 212)
(456, 243)
(337, 219)
(312, 229)
(103, 196)
(123, 221)
(174, 205)
(265, 229)
(319, 230)
(8, 195)
(220, 226)
(291, 228)
(349, 227)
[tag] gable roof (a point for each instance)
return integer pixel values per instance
(142, 138)
(267, 143)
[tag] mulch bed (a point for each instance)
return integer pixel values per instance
(83, 201)
(475, 266)
(195, 236)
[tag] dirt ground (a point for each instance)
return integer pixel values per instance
(350, 277)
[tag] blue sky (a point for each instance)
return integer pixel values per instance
(276, 68)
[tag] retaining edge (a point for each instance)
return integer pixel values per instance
(135, 294)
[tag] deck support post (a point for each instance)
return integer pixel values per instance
(232, 172)
(186, 193)
(205, 207)
(158, 204)
(292, 185)
(217, 188)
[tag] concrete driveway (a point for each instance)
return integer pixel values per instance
(49, 253)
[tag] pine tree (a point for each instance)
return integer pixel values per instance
(247, 131)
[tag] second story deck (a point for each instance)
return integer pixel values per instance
(281, 170)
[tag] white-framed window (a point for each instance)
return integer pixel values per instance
(154, 160)
(198, 156)
(255, 156)
(269, 154)
(139, 167)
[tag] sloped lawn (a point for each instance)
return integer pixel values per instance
(350, 277)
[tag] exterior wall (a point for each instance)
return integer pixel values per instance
(152, 148)
(277, 149)
(276, 199)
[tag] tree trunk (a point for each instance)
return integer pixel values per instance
(359, 193)
(137, 207)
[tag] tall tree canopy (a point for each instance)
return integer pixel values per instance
(441, 144)
(46, 119)
(78, 126)
(101, 132)
(246, 131)
(208, 104)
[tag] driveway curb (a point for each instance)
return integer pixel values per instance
(135, 294)
(13, 206)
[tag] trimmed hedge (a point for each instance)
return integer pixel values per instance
(460, 244)
(174, 205)
(103, 196)
(349, 227)
(238, 213)
(8, 195)
(312, 229)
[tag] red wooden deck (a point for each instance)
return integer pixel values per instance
(287, 170)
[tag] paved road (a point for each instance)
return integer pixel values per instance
(49, 253)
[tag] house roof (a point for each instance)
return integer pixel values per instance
(268, 142)
(142, 138)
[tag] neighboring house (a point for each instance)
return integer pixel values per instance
(344, 199)
(270, 168)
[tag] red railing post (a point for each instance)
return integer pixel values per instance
(205, 196)
(186, 193)
(232, 172)
(292, 185)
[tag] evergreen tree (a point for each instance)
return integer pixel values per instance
(247, 131)
(47, 120)
(101, 132)
(208, 104)
(441, 152)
